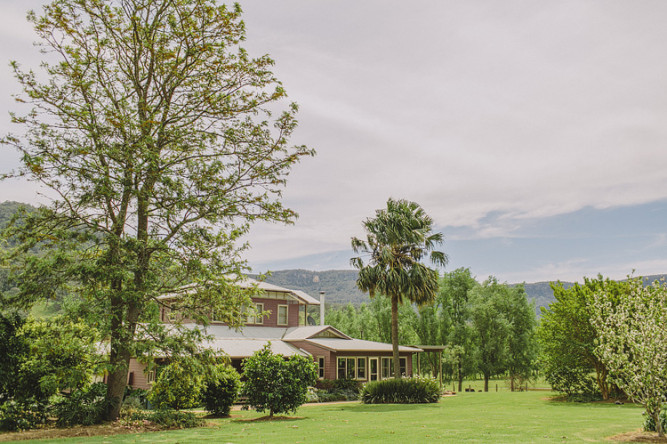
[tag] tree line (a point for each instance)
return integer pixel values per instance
(488, 328)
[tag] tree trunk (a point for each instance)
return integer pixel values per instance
(460, 375)
(486, 382)
(116, 383)
(394, 336)
(601, 375)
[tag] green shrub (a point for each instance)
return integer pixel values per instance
(401, 391)
(346, 384)
(576, 382)
(221, 390)
(22, 415)
(84, 407)
(135, 398)
(276, 384)
(337, 395)
(178, 386)
(649, 423)
(168, 419)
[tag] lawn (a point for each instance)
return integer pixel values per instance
(502, 417)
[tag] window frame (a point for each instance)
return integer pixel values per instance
(321, 367)
(286, 314)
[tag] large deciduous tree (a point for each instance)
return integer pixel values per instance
(154, 131)
(632, 341)
(567, 335)
(398, 239)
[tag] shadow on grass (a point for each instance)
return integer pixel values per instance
(269, 418)
(379, 408)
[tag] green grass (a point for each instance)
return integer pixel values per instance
(502, 417)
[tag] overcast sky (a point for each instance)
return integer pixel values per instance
(534, 133)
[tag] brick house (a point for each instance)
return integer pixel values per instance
(290, 331)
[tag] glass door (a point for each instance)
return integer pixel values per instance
(373, 369)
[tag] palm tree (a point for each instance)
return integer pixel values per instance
(398, 239)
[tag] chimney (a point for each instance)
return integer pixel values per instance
(321, 308)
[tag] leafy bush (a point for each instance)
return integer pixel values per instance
(168, 419)
(649, 423)
(576, 382)
(346, 384)
(415, 390)
(84, 407)
(135, 398)
(22, 415)
(178, 386)
(277, 384)
(221, 390)
(337, 395)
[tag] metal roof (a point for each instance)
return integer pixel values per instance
(358, 345)
(250, 283)
(245, 347)
(300, 333)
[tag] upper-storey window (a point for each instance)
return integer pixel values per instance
(282, 315)
(257, 318)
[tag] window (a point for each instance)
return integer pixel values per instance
(320, 367)
(403, 362)
(342, 365)
(388, 367)
(282, 315)
(361, 368)
(258, 318)
(351, 368)
(150, 376)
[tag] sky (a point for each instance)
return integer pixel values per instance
(533, 133)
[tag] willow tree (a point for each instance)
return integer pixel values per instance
(153, 129)
(398, 240)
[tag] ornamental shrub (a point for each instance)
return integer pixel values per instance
(415, 390)
(84, 407)
(168, 419)
(22, 415)
(649, 423)
(221, 390)
(277, 384)
(178, 386)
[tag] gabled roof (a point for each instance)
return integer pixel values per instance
(313, 331)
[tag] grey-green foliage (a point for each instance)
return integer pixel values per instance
(162, 139)
(504, 327)
(454, 298)
(372, 321)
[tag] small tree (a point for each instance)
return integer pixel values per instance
(632, 338)
(221, 390)
(277, 384)
(178, 386)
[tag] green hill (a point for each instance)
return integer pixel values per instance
(340, 287)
